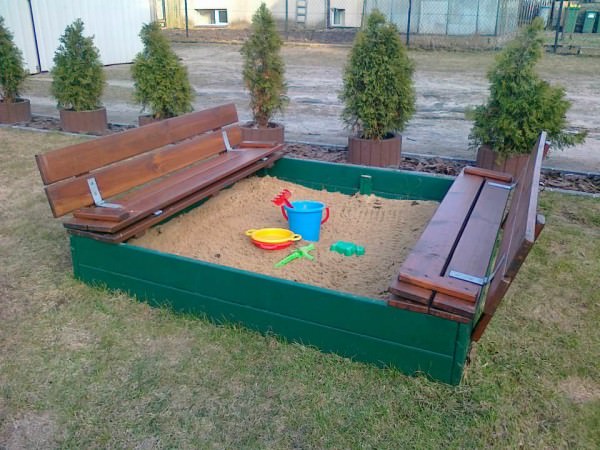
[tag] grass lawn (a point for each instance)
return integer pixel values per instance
(86, 368)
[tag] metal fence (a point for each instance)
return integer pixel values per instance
(450, 17)
(423, 17)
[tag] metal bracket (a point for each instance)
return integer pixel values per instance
(481, 281)
(226, 141)
(509, 187)
(97, 196)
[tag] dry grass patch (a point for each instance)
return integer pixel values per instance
(86, 368)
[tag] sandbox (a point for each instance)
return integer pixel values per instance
(386, 228)
(316, 303)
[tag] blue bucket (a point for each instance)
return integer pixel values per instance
(305, 218)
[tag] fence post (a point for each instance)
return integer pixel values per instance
(187, 33)
(560, 7)
(408, 23)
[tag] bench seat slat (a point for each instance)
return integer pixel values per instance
(100, 213)
(474, 250)
(149, 199)
(451, 304)
(74, 193)
(432, 251)
(81, 158)
(142, 225)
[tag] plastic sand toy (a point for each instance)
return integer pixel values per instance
(301, 252)
(347, 248)
(272, 238)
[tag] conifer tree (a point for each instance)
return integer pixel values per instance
(12, 74)
(378, 91)
(264, 69)
(521, 104)
(161, 82)
(77, 76)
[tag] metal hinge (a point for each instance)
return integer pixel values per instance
(226, 141)
(501, 186)
(98, 201)
(481, 281)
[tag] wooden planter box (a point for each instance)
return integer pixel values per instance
(379, 153)
(275, 133)
(360, 328)
(94, 121)
(20, 111)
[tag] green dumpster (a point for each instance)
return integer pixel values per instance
(571, 14)
(589, 21)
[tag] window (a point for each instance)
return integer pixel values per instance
(212, 17)
(339, 17)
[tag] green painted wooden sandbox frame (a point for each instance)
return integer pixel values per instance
(356, 327)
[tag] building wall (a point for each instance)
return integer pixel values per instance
(115, 25)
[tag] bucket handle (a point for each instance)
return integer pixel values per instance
(322, 221)
(326, 215)
(249, 232)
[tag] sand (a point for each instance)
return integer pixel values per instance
(214, 232)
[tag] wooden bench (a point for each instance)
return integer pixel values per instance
(118, 186)
(457, 269)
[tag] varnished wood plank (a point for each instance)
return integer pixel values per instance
(102, 213)
(81, 158)
(474, 250)
(489, 174)
(522, 228)
(74, 193)
(144, 202)
(398, 302)
(431, 252)
(410, 291)
(95, 213)
(448, 315)
(450, 286)
(451, 304)
(142, 225)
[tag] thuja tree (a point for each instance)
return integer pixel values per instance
(521, 104)
(161, 82)
(12, 74)
(77, 75)
(264, 68)
(378, 91)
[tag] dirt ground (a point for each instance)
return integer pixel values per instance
(387, 229)
(447, 83)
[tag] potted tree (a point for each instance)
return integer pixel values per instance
(78, 82)
(263, 76)
(520, 106)
(13, 109)
(378, 94)
(161, 82)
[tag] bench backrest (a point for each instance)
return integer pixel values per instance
(122, 161)
(522, 227)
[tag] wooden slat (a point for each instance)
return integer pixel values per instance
(110, 214)
(452, 304)
(81, 158)
(150, 189)
(139, 227)
(430, 255)
(439, 283)
(147, 200)
(448, 315)
(521, 229)
(489, 174)
(410, 292)
(74, 193)
(402, 303)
